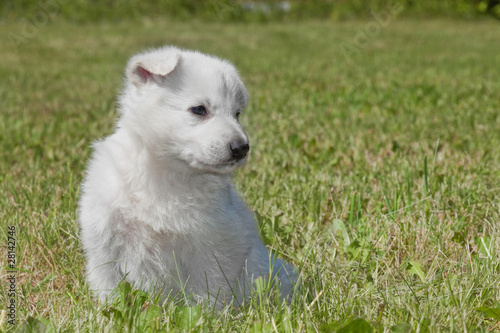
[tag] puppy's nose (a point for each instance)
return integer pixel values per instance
(239, 149)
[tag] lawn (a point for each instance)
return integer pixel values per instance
(375, 169)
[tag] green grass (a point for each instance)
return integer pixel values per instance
(377, 174)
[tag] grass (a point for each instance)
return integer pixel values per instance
(376, 172)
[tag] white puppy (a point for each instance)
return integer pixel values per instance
(158, 208)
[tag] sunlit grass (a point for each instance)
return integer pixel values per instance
(377, 175)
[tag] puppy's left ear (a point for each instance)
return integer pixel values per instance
(151, 66)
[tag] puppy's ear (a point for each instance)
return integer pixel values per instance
(152, 65)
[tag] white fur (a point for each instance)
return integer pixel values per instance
(158, 208)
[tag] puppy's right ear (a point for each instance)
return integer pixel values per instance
(151, 66)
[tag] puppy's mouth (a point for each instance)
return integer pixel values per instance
(221, 167)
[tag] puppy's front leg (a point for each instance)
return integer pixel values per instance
(103, 274)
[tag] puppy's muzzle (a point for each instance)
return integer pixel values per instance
(239, 149)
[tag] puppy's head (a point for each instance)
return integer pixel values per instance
(185, 105)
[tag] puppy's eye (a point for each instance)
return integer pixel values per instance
(199, 110)
(238, 114)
